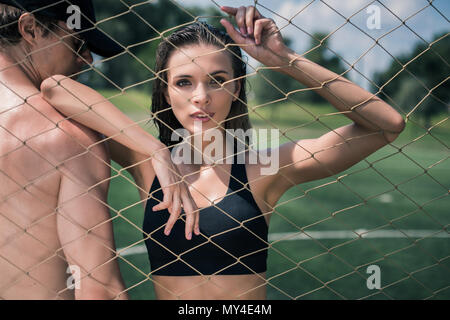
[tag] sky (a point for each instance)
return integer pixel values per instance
(354, 41)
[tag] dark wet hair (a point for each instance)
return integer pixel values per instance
(9, 30)
(196, 33)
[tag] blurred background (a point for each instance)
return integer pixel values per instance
(390, 210)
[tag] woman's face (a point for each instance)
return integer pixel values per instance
(194, 77)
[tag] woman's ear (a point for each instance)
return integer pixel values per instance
(27, 27)
(237, 91)
(166, 95)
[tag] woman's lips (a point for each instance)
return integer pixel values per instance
(203, 117)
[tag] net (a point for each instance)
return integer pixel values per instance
(326, 236)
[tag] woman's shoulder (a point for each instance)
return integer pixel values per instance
(262, 163)
(261, 169)
(259, 182)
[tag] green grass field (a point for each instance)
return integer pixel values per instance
(399, 191)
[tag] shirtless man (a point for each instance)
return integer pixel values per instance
(54, 219)
(54, 173)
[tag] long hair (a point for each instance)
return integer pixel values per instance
(196, 33)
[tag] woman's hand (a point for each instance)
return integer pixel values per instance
(175, 192)
(257, 35)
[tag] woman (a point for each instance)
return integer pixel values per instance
(201, 80)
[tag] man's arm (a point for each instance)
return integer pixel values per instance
(88, 107)
(85, 228)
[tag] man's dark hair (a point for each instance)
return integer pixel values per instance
(9, 31)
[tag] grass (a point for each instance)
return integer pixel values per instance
(413, 172)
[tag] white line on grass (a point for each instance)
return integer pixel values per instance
(331, 234)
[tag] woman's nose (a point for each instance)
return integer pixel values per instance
(201, 96)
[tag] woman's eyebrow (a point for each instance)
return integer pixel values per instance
(211, 74)
(218, 71)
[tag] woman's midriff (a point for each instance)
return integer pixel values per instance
(216, 287)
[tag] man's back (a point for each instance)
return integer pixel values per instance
(48, 219)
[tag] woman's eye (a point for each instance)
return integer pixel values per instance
(217, 81)
(182, 83)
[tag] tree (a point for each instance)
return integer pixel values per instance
(139, 29)
(426, 68)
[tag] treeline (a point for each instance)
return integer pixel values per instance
(138, 26)
(418, 81)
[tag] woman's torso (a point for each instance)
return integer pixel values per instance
(230, 286)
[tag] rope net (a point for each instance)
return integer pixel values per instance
(325, 236)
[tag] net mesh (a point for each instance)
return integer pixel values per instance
(323, 234)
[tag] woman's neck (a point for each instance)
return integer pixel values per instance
(204, 150)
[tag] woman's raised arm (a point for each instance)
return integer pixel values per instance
(375, 123)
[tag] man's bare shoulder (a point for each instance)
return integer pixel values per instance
(59, 137)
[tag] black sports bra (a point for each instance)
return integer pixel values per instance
(233, 237)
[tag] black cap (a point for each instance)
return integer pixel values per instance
(96, 40)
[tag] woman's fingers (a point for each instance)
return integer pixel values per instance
(232, 32)
(249, 18)
(240, 20)
(190, 219)
(174, 213)
(259, 28)
(197, 223)
(170, 223)
(176, 205)
(245, 18)
(230, 10)
(167, 204)
(174, 195)
(191, 211)
(167, 200)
